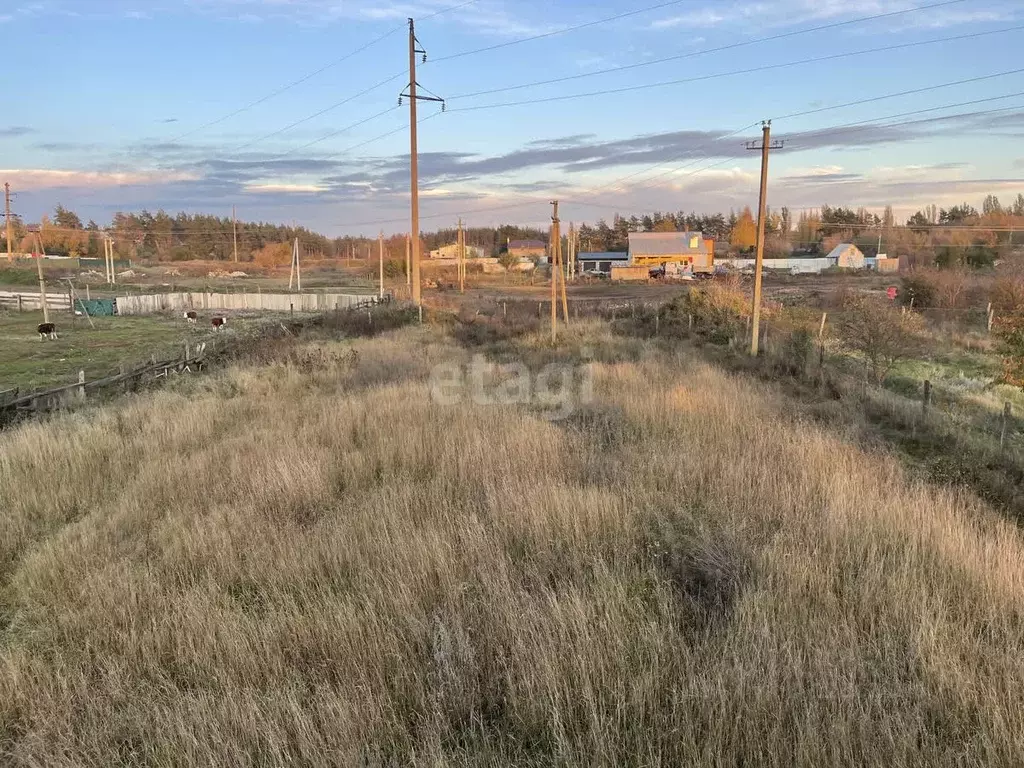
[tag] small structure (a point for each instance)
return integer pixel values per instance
(452, 252)
(847, 256)
(527, 249)
(687, 249)
(602, 262)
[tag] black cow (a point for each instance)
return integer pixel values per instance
(47, 330)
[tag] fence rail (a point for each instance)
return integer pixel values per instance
(25, 302)
(55, 397)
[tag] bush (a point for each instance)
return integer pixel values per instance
(718, 311)
(882, 333)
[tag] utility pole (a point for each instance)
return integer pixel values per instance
(42, 282)
(234, 231)
(556, 239)
(766, 145)
(462, 258)
(7, 218)
(414, 171)
(408, 264)
(380, 242)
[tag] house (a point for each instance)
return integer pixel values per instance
(847, 256)
(652, 249)
(452, 252)
(600, 262)
(528, 249)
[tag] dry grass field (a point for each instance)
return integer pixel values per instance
(312, 562)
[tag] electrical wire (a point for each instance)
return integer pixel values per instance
(289, 86)
(565, 30)
(731, 73)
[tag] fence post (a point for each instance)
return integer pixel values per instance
(504, 309)
(291, 310)
(657, 323)
(1007, 412)
(991, 317)
(689, 323)
(20, 303)
(821, 330)
(421, 314)
(81, 385)
(926, 400)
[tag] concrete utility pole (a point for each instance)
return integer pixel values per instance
(234, 231)
(414, 171)
(766, 145)
(380, 242)
(7, 218)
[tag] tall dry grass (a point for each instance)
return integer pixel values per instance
(313, 564)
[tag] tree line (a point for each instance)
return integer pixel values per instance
(959, 235)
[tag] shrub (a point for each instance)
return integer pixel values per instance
(718, 311)
(882, 333)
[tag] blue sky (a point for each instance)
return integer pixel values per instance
(127, 104)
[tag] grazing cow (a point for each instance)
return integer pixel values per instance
(191, 317)
(47, 329)
(219, 322)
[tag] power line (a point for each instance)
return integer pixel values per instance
(323, 111)
(289, 86)
(717, 49)
(701, 78)
(314, 73)
(901, 93)
(565, 30)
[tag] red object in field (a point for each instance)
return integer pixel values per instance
(892, 293)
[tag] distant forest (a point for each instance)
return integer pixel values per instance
(957, 235)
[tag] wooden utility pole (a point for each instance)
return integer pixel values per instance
(380, 241)
(408, 264)
(42, 282)
(462, 259)
(234, 231)
(414, 171)
(7, 218)
(556, 239)
(766, 145)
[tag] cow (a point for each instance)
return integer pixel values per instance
(47, 329)
(191, 317)
(219, 322)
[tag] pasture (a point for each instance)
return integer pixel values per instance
(28, 363)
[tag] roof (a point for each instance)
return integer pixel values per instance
(842, 248)
(663, 243)
(603, 256)
(527, 244)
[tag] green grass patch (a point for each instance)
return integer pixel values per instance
(28, 363)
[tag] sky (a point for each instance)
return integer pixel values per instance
(289, 109)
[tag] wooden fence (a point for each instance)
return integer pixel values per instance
(272, 302)
(12, 401)
(24, 302)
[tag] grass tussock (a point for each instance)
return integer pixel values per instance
(311, 562)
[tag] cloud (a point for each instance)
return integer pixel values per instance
(34, 179)
(791, 13)
(15, 131)
(169, 120)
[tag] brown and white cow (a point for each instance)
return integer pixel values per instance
(47, 330)
(191, 317)
(219, 322)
